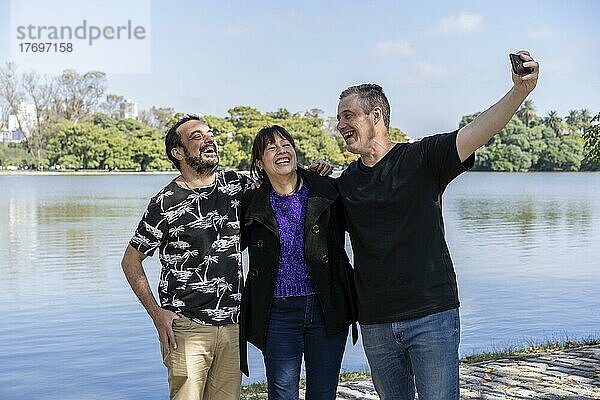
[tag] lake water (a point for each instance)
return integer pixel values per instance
(526, 249)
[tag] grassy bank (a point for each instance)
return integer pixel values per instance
(531, 348)
(258, 390)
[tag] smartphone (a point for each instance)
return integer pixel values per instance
(517, 65)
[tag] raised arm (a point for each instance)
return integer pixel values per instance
(163, 319)
(479, 131)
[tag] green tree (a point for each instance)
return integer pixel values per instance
(527, 113)
(173, 120)
(280, 114)
(247, 121)
(231, 154)
(591, 137)
(397, 135)
(76, 146)
(103, 120)
(312, 139)
(512, 149)
(554, 122)
(15, 154)
(106, 143)
(519, 147)
(248, 117)
(573, 121)
(146, 145)
(118, 153)
(572, 149)
(585, 119)
(560, 153)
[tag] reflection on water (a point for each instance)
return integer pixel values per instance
(75, 329)
(66, 241)
(524, 217)
(526, 253)
(525, 248)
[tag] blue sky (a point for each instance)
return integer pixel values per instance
(437, 60)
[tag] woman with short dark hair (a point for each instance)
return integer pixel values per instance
(298, 299)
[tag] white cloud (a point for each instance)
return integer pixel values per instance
(461, 23)
(392, 48)
(542, 33)
(430, 70)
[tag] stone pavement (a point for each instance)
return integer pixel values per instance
(572, 374)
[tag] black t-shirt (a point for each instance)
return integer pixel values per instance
(402, 265)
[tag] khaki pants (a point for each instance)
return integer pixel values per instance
(206, 363)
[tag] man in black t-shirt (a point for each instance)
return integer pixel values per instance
(194, 222)
(392, 196)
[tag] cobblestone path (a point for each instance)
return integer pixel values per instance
(572, 374)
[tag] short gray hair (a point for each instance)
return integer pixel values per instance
(370, 96)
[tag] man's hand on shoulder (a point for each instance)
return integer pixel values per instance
(256, 184)
(321, 167)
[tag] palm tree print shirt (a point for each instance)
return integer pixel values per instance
(197, 232)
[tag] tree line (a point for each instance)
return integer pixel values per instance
(76, 126)
(533, 143)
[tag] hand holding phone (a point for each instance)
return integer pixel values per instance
(517, 65)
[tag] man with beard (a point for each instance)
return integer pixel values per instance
(194, 222)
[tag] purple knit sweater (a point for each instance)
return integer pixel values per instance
(292, 278)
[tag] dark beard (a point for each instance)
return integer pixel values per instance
(198, 164)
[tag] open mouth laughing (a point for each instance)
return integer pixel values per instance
(282, 161)
(210, 150)
(347, 135)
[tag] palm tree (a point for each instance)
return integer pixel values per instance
(527, 112)
(584, 119)
(161, 198)
(208, 260)
(222, 287)
(591, 137)
(187, 255)
(573, 120)
(554, 122)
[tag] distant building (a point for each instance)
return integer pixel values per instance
(13, 122)
(21, 124)
(24, 121)
(128, 109)
(14, 136)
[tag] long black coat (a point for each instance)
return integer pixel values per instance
(324, 253)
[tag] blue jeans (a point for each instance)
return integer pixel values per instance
(421, 352)
(296, 327)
